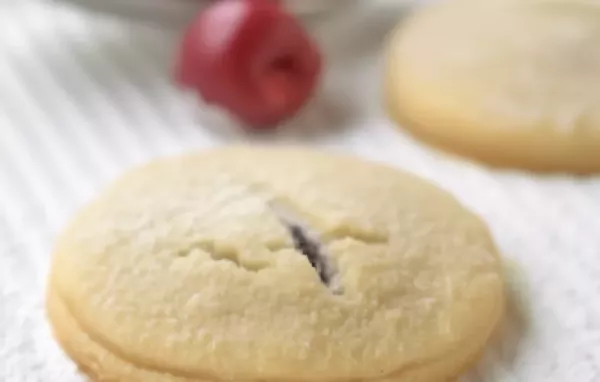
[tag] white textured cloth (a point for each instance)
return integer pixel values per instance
(82, 99)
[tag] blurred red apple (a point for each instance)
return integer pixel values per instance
(251, 58)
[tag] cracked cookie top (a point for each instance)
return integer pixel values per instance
(255, 263)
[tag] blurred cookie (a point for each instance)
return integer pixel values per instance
(513, 83)
(274, 264)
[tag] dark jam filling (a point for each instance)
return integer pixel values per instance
(311, 249)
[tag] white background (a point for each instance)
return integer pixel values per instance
(83, 98)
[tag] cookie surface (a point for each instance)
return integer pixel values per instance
(513, 83)
(284, 264)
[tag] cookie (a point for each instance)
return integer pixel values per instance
(511, 83)
(252, 263)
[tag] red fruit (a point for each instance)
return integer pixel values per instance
(251, 58)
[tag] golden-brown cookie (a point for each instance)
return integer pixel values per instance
(513, 83)
(274, 264)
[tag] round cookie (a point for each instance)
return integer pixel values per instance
(274, 264)
(512, 83)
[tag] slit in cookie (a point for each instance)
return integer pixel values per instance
(308, 245)
(311, 250)
(223, 253)
(358, 235)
